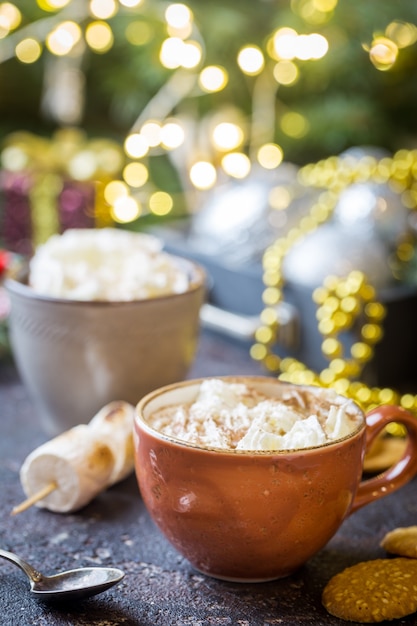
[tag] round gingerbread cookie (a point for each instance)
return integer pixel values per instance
(373, 591)
(401, 541)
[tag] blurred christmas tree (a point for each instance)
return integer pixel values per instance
(343, 97)
(305, 78)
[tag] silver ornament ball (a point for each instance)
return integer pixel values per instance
(372, 209)
(333, 250)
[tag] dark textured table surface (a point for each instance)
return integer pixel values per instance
(160, 587)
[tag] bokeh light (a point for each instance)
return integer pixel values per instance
(403, 34)
(136, 145)
(279, 197)
(138, 33)
(203, 175)
(28, 50)
(213, 78)
(191, 54)
(227, 136)
(10, 18)
(14, 159)
(251, 60)
(126, 209)
(176, 53)
(83, 165)
(99, 36)
(171, 52)
(383, 53)
(294, 124)
(115, 190)
(160, 203)
(62, 39)
(236, 164)
(110, 159)
(178, 15)
(270, 156)
(286, 72)
(172, 135)
(136, 174)
(151, 131)
(284, 41)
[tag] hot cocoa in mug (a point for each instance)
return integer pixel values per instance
(249, 477)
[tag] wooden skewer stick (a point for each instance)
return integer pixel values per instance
(39, 495)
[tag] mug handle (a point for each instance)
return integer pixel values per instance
(403, 470)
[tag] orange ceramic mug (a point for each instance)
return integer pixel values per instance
(258, 515)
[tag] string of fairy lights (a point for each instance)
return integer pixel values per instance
(231, 147)
(342, 301)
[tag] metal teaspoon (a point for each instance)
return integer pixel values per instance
(74, 584)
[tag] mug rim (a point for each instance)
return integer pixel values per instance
(196, 274)
(141, 423)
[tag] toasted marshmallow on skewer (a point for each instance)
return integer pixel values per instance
(67, 472)
(76, 462)
(113, 425)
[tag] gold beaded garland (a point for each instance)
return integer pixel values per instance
(341, 301)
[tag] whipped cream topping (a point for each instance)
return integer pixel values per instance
(104, 264)
(236, 416)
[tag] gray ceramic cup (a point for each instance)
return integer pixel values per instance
(76, 356)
